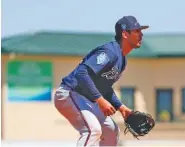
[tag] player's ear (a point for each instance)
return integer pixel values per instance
(125, 34)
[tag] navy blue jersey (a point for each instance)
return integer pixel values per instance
(101, 68)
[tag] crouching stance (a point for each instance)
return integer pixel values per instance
(86, 98)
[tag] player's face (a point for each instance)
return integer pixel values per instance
(135, 38)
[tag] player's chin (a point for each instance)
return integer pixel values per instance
(138, 45)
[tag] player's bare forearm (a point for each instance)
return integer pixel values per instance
(125, 111)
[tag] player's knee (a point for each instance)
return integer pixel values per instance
(96, 131)
(113, 130)
(118, 132)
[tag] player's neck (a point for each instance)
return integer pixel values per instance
(126, 47)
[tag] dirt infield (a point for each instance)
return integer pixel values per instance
(51, 126)
(158, 135)
(153, 135)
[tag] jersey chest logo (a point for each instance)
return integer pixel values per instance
(113, 74)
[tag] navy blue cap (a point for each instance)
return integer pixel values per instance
(128, 23)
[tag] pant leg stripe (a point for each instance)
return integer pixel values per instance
(89, 130)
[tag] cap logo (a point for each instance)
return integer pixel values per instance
(123, 26)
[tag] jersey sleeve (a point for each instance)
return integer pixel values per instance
(113, 99)
(100, 59)
(86, 84)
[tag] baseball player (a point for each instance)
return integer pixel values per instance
(86, 98)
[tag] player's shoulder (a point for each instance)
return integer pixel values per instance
(105, 50)
(108, 45)
(109, 48)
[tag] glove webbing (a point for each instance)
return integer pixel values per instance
(128, 128)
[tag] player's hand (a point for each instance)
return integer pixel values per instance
(125, 111)
(105, 106)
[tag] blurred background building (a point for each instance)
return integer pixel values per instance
(153, 80)
(34, 62)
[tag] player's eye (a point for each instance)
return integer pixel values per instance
(137, 31)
